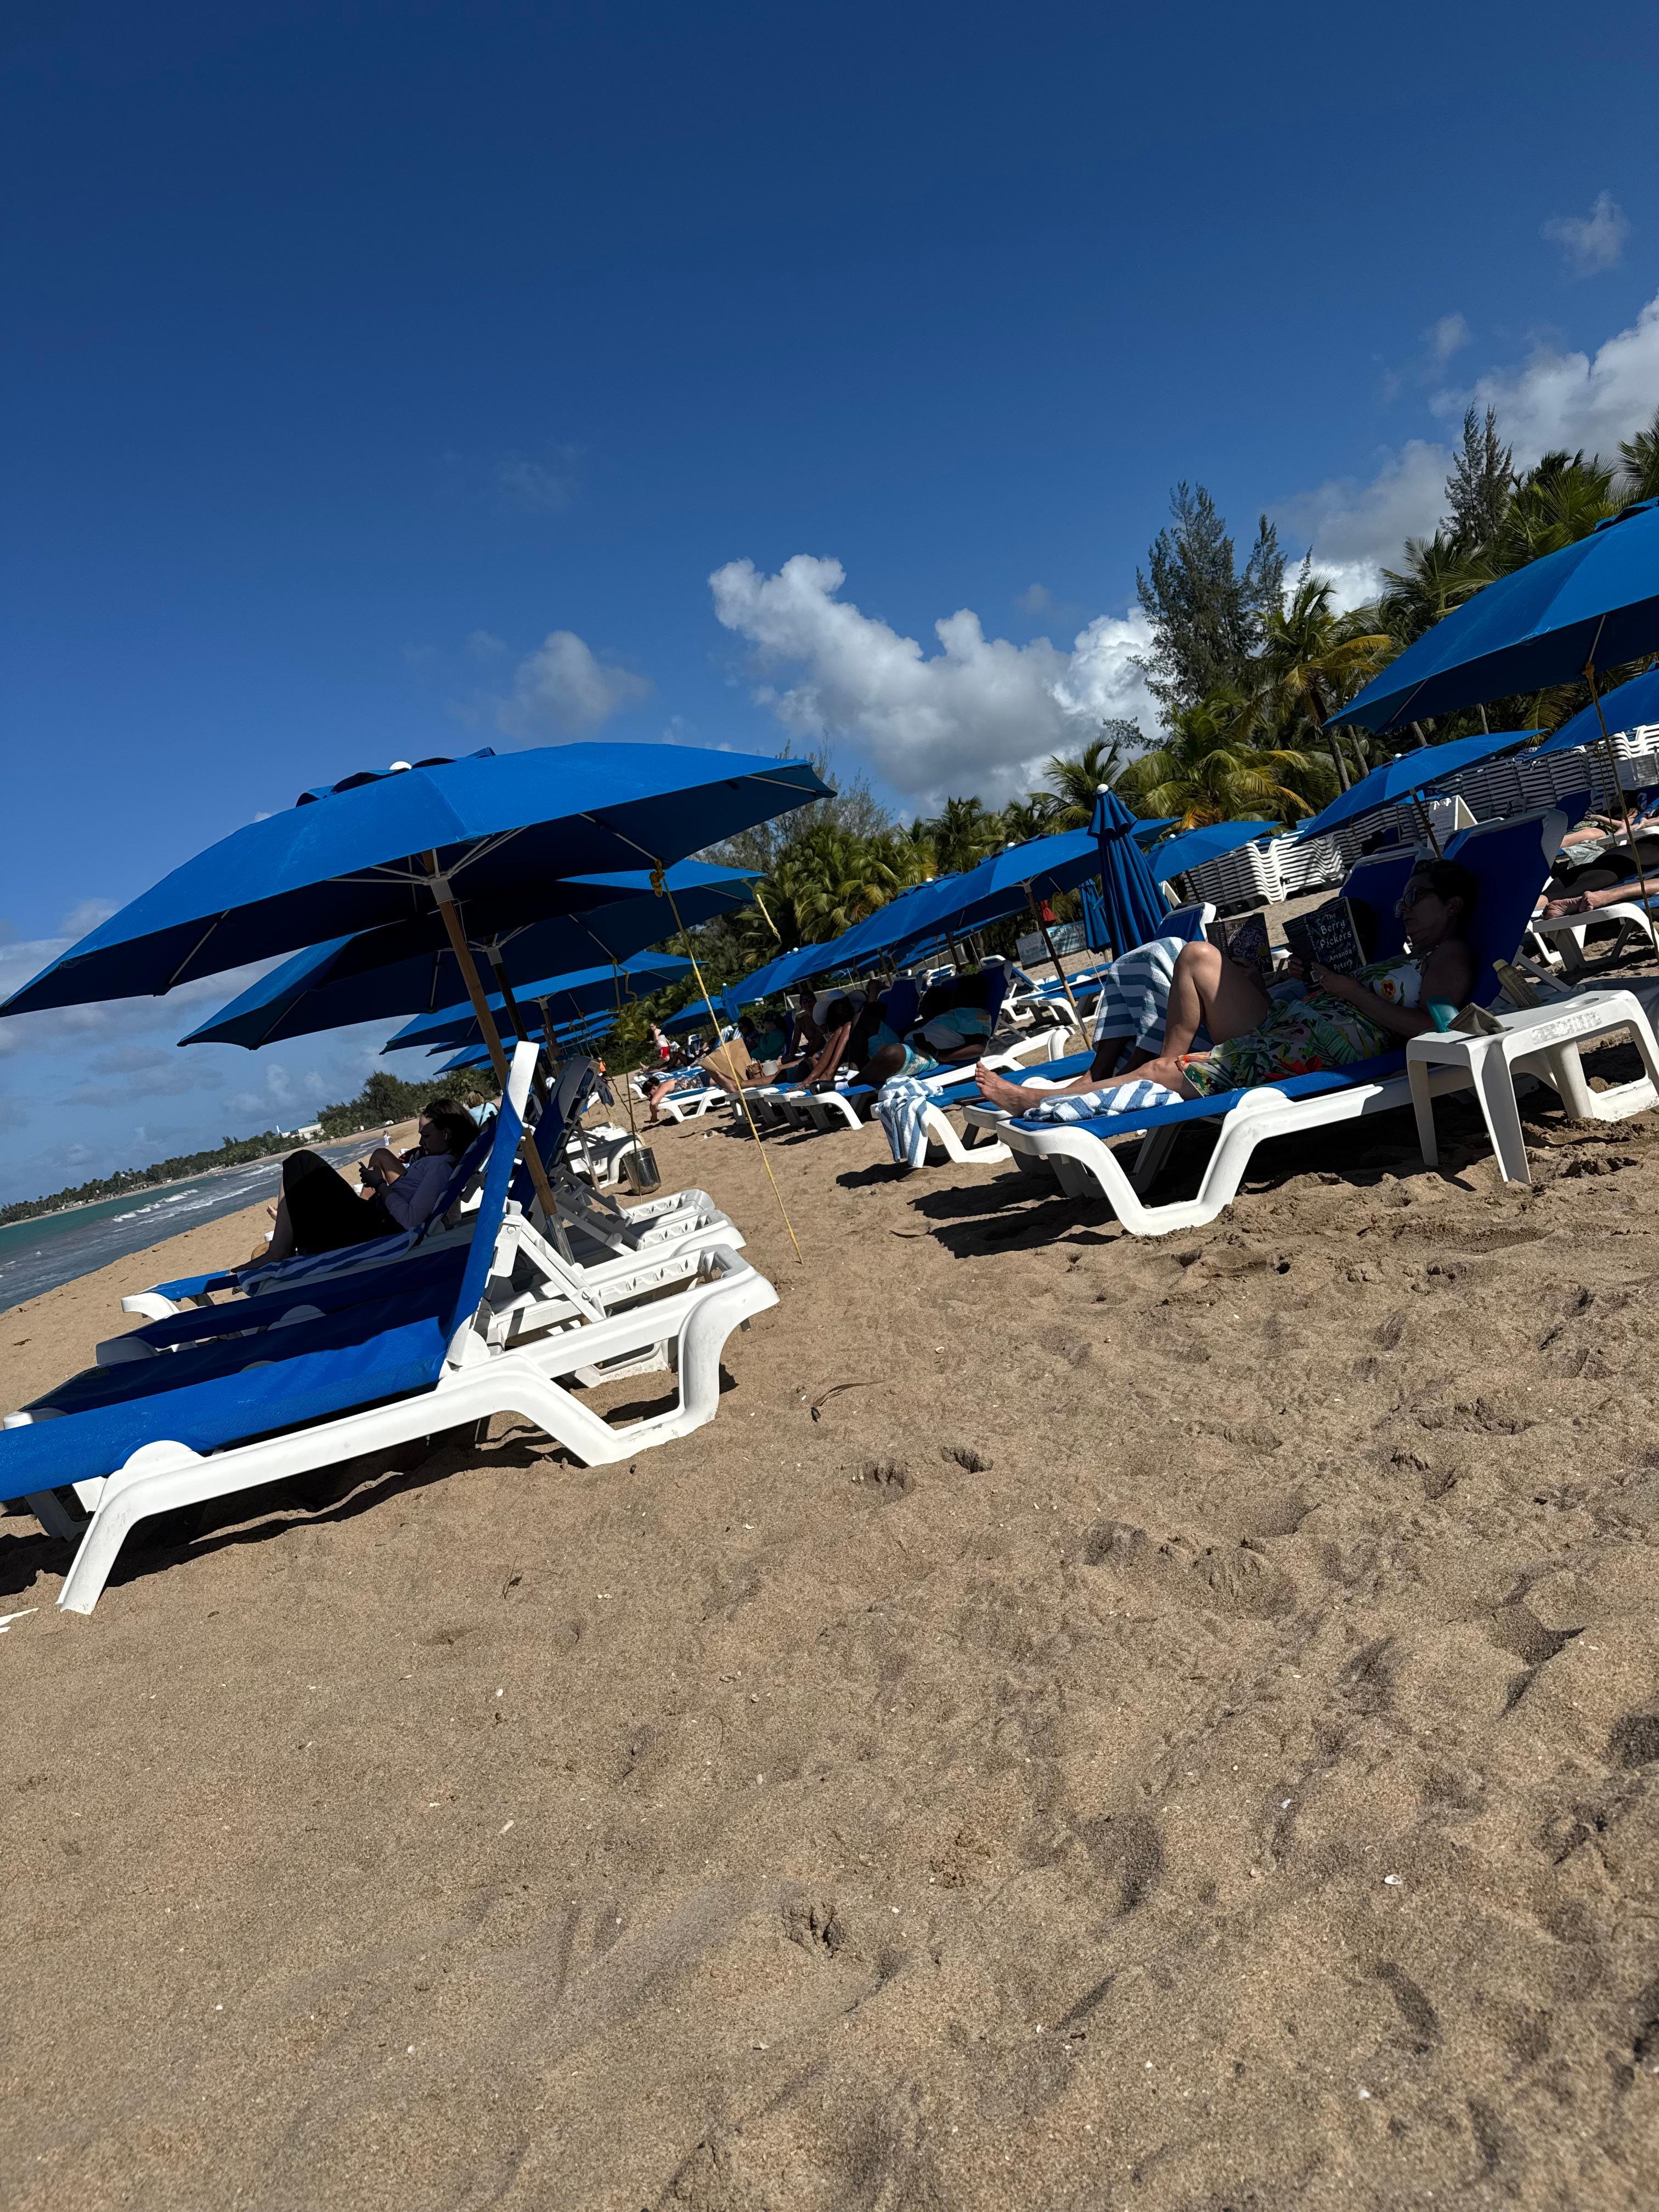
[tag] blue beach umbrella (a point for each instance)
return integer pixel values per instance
(1195, 847)
(1627, 707)
(1135, 908)
(1411, 772)
(387, 847)
(1593, 604)
(574, 996)
(386, 975)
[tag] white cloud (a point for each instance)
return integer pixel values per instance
(1590, 243)
(1552, 400)
(84, 917)
(1448, 336)
(1574, 399)
(485, 645)
(563, 687)
(540, 487)
(981, 714)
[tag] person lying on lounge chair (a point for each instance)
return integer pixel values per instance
(961, 1029)
(1255, 1039)
(805, 1038)
(319, 1210)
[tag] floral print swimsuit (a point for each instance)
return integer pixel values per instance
(1301, 1036)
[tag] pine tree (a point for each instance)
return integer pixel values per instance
(1481, 480)
(1208, 616)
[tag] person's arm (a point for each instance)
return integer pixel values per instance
(411, 1196)
(1448, 974)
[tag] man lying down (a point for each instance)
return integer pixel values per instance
(1256, 1039)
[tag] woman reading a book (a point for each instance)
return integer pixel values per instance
(1255, 1039)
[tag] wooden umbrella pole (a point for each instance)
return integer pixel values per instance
(1048, 946)
(509, 1003)
(475, 991)
(1618, 781)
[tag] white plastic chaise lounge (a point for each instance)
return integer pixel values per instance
(1510, 859)
(589, 1223)
(116, 1445)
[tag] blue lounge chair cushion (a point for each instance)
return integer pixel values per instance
(1223, 1102)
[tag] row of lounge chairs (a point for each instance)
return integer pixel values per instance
(234, 1381)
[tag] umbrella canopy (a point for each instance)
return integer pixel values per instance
(1005, 884)
(1628, 708)
(1411, 772)
(377, 976)
(1135, 908)
(1194, 847)
(363, 853)
(1593, 603)
(1147, 832)
(568, 998)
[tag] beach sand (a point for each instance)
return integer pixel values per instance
(1095, 1722)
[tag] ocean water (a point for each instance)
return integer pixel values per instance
(38, 1255)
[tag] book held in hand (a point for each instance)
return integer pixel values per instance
(1244, 938)
(1328, 936)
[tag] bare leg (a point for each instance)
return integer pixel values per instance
(281, 1246)
(1208, 990)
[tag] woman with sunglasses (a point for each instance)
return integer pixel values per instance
(1256, 1039)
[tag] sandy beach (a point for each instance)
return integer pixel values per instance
(1095, 1722)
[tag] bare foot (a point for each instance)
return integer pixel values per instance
(997, 1090)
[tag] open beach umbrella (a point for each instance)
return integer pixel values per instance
(1147, 833)
(576, 995)
(411, 966)
(1630, 707)
(387, 847)
(1593, 604)
(1411, 772)
(1195, 847)
(1135, 908)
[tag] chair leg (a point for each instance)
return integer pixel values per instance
(1423, 1106)
(1494, 1085)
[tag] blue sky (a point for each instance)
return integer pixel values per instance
(390, 380)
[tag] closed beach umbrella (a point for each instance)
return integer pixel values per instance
(1413, 772)
(1135, 908)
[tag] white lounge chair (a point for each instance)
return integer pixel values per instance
(111, 1447)
(1509, 858)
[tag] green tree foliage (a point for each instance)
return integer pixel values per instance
(1312, 660)
(1207, 613)
(1638, 464)
(1479, 489)
(1212, 768)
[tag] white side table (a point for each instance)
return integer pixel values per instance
(1547, 1042)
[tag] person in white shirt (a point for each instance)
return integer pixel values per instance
(319, 1210)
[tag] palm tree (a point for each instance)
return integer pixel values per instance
(960, 834)
(1036, 815)
(1555, 504)
(832, 879)
(1313, 658)
(1437, 575)
(1209, 770)
(1074, 780)
(1638, 460)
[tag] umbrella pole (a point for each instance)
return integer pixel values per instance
(1428, 825)
(1048, 946)
(662, 887)
(486, 1020)
(1618, 781)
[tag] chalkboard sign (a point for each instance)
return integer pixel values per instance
(1244, 938)
(1327, 936)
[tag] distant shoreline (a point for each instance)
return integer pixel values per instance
(172, 1182)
